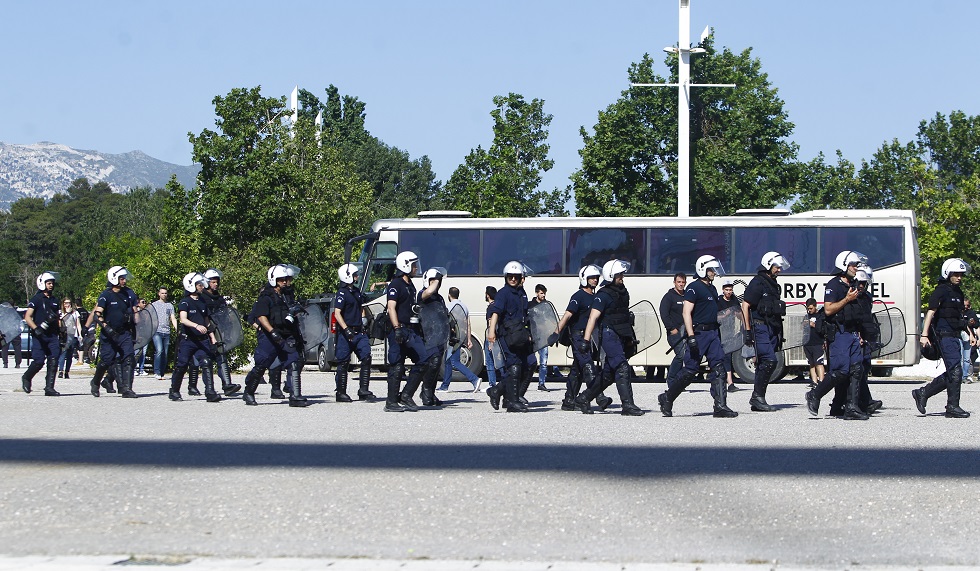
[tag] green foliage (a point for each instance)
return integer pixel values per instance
(503, 180)
(740, 155)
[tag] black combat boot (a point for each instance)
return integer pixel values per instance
(601, 400)
(573, 384)
(49, 378)
(275, 381)
(175, 381)
(193, 371)
(828, 382)
(934, 387)
(394, 380)
(721, 409)
(28, 376)
(512, 389)
(364, 381)
(109, 379)
(207, 377)
(953, 409)
(341, 380)
(224, 373)
(251, 384)
(126, 385)
(429, 381)
(674, 390)
(295, 381)
(411, 385)
(757, 402)
(625, 389)
(525, 383)
(852, 410)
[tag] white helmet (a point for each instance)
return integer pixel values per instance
(436, 273)
(612, 268)
(404, 261)
(281, 271)
(863, 275)
(346, 273)
(44, 277)
(514, 267)
(849, 257)
(212, 273)
(587, 272)
(771, 259)
(707, 262)
(116, 272)
(955, 266)
(191, 280)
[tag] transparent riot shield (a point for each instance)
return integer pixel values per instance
(495, 353)
(376, 323)
(458, 327)
(891, 330)
(313, 325)
(796, 327)
(227, 328)
(144, 326)
(434, 319)
(9, 324)
(731, 329)
(646, 325)
(544, 322)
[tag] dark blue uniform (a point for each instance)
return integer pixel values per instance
(118, 313)
(514, 338)
(766, 313)
(948, 321)
(282, 343)
(845, 355)
(580, 306)
(404, 342)
(46, 343)
(672, 312)
(194, 344)
(350, 302)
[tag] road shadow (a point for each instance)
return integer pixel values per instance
(622, 461)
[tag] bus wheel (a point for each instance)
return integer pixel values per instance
(472, 357)
(745, 367)
(321, 359)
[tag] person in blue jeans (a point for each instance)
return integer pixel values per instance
(490, 366)
(166, 322)
(452, 357)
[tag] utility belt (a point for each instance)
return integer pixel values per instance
(851, 327)
(706, 327)
(947, 333)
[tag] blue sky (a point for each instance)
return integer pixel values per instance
(116, 76)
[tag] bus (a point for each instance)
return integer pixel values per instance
(475, 250)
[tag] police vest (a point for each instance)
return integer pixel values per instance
(617, 314)
(951, 307)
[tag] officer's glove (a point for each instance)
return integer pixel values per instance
(43, 327)
(692, 344)
(401, 334)
(749, 338)
(275, 336)
(582, 344)
(108, 330)
(349, 334)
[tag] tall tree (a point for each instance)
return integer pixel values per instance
(741, 155)
(503, 180)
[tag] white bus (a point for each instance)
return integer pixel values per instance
(474, 251)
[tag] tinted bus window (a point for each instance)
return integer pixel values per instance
(540, 250)
(798, 245)
(456, 250)
(601, 245)
(882, 246)
(675, 250)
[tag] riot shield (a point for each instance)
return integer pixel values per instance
(9, 324)
(434, 319)
(313, 325)
(646, 325)
(227, 328)
(544, 322)
(796, 327)
(891, 329)
(495, 353)
(731, 329)
(376, 323)
(144, 326)
(458, 327)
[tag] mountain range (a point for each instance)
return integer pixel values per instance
(44, 169)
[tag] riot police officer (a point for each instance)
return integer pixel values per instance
(946, 315)
(703, 339)
(843, 312)
(403, 339)
(43, 320)
(351, 338)
(509, 326)
(195, 339)
(763, 312)
(114, 312)
(576, 317)
(870, 336)
(279, 337)
(610, 318)
(211, 295)
(434, 321)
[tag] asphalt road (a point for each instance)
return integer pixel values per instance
(86, 476)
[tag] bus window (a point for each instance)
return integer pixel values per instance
(377, 277)
(675, 250)
(540, 250)
(598, 246)
(882, 246)
(455, 250)
(798, 245)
